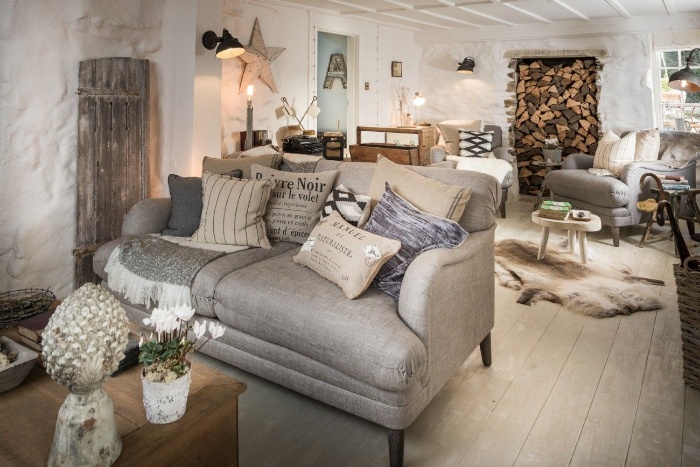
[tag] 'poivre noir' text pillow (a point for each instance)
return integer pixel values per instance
(295, 203)
(345, 255)
(425, 193)
(233, 210)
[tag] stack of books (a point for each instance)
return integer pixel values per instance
(30, 330)
(558, 210)
(674, 182)
(131, 355)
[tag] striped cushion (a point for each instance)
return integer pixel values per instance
(426, 194)
(233, 210)
(614, 153)
(647, 145)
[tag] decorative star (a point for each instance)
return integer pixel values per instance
(257, 60)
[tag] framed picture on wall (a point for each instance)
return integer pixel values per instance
(396, 69)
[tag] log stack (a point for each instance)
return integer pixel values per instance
(554, 100)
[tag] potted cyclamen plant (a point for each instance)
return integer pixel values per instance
(551, 150)
(167, 374)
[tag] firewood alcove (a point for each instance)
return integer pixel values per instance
(113, 115)
(555, 98)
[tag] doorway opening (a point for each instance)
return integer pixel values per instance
(336, 83)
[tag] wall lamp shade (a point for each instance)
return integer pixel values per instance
(229, 46)
(685, 79)
(466, 66)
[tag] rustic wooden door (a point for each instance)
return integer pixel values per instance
(113, 118)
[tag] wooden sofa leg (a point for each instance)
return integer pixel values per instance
(485, 347)
(396, 439)
(616, 236)
(504, 198)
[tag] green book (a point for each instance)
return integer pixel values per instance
(556, 208)
(556, 203)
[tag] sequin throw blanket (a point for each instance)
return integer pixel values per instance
(147, 268)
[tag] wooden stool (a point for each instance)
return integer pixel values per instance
(573, 226)
(649, 206)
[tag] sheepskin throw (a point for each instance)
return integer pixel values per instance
(597, 289)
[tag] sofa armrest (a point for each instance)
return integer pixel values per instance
(438, 153)
(501, 153)
(445, 164)
(578, 161)
(447, 300)
(149, 215)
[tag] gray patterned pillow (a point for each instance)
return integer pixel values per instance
(396, 218)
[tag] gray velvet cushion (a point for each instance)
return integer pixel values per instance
(363, 338)
(396, 218)
(607, 192)
(186, 198)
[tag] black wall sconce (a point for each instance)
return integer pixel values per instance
(685, 79)
(466, 66)
(229, 46)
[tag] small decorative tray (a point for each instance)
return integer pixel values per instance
(17, 305)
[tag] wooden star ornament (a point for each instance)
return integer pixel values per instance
(257, 60)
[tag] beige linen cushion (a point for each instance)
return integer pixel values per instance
(221, 166)
(232, 211)
(295, 203)
(449, 129)
(647, 145)
(259, 151)
(614, 153)
(424, 193)
(345, 255)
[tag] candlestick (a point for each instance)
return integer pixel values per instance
(249, 119)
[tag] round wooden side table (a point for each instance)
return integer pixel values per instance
(573, 226)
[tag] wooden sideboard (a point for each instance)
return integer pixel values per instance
(401, 154)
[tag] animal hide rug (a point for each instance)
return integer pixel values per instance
(594, 289)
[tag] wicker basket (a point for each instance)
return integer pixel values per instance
(688, 290)
(20, 304)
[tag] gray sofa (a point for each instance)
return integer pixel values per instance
(438, 154)
(614, 200)
(373, 357)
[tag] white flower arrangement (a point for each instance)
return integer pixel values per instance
(551, 143)
(164, 353)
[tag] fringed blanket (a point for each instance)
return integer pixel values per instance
(147, 268)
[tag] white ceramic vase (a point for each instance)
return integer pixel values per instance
(166, 402)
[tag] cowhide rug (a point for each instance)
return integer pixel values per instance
(594, 289)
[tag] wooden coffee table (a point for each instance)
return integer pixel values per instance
(573, 226)
(206, 435)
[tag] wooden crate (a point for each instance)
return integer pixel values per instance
(368, 152)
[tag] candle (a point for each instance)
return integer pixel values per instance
(249, 91)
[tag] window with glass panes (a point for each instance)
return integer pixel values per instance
(670, 62)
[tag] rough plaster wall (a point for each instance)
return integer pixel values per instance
(626, 94)
(38, 130)
(291, 69)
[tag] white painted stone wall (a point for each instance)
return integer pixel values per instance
(626, 100)
(41, 43)
(295, 74)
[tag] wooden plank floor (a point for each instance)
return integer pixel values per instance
(563, 389)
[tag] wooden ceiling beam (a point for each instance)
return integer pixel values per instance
(670, 6)
(463, 7)
(571, 10)
(619, 8)
(524, 11)
(352, 5)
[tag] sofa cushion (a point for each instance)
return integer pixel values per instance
(223, 166)
(475, 143)
(613, 152)
(449, 130)
(287, 304)
(345, 255)
(206, 280)
(295, 203)
(647, 145)
(416, 231)
(232, 211)
(608, 192)
(355, 209)
(427, 194)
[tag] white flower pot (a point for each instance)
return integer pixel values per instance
(166, 402)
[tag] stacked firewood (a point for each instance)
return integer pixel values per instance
(554, 101)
